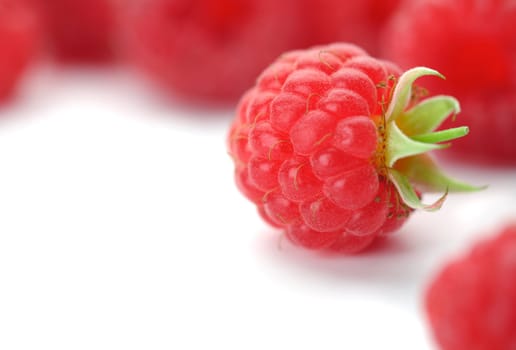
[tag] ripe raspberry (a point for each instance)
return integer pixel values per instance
(473, 43)
(329, 143)
(472, 302)
(356, 21)
(209, 50)
(19, 40)
(79, 30)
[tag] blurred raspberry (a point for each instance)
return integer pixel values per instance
(359, 22)
(210, 50)
(19, 40)
(472, 302)
(81, 30)
(473, 43)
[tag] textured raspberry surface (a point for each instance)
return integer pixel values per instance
(306, 142)
(79, 30)
(472, 302)
(19, 37)
(473, 43)
(210, 50)
(359, 22)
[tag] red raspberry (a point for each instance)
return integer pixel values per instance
(209, 50)
(473, 43)
(359, 22)
(81, 30)
(326, 154)
(19, 40)
(472, 302)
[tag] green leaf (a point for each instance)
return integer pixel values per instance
(426, 175)
(403, 90)
(401, 146)
(426, 116)
(409, 195)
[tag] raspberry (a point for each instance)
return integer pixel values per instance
(474, 44)
(471, 304)
(357, 21)
(81, 31)
(209, 50)
(19, 39)
(329, 144)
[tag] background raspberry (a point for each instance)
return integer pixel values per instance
(474, 45)
(471, 304)
(210, 50)
(19, 41)
(81, 31)
(359, 22)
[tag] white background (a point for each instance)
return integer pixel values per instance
(121, 228)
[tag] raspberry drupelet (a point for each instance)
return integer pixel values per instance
(330, 143)
(471, 303)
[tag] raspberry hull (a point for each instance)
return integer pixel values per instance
(314, 151)
(471, 304)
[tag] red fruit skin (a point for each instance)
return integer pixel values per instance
(209, 50)
(471, 304)
(359, 22)
(305, 143)
(474, 45)
(81, 31)
(19, 42)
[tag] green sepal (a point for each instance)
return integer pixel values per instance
(426, 175)
(426, 116)
(403, 90)
(410, 134)
(401, 146)
(408, 194)
(442, 135)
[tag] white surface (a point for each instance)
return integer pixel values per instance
(121, 228)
